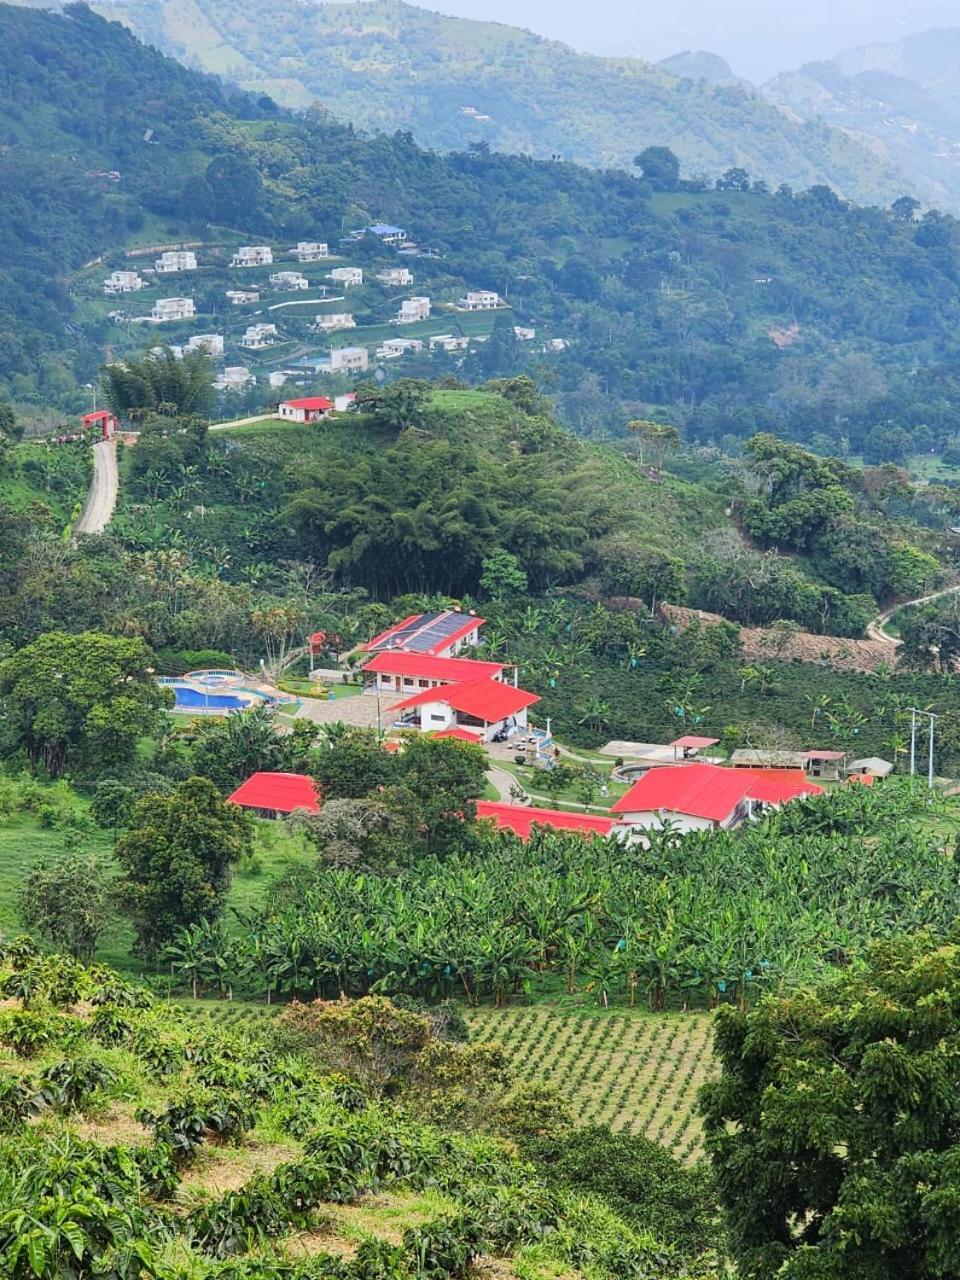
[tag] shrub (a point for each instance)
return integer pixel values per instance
(70, 1085)
(638, 1178)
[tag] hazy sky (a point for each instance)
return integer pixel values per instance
(757, 37)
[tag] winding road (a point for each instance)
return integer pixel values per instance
(876, 630)
(102, 498)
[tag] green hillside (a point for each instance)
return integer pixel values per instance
(649, 298)
(388, 65)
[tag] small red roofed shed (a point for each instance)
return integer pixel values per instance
(274, 795)
(690, 746)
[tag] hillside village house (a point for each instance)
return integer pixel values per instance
(289, 281)
(413, 309)
(344, 402)
(310, 251)
(176, 260)
(240, 297)
(522, 334)
(347, 276)
(394, 348)
(122, 282)
(307, 409)
(395, 276)
(384, 232)
(258, 336)
(234, 378)
(167, 309)
(349, 360)
(704, 797)
(447, 342)
(210, 343)
(335, 320)
(252, 255)
(479, 300)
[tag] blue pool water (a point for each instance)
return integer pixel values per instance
(187, 697)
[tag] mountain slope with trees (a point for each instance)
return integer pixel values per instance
(709, 309)
(384, 64)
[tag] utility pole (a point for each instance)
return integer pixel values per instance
(915, 712)
(913, 742)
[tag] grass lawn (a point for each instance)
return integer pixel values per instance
(23, 842)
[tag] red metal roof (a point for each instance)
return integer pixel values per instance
(487, 700)
(459, 733)
(691, 740)
(776, 791)
(97, 416)
(521, 819)
(283, 792)
(825, 755)
(708, 791)
(310, 402)
(789, 777)
(426, 667)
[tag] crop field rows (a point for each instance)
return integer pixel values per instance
(636, 1073)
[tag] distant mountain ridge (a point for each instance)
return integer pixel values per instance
(903, 99)
(386, 65)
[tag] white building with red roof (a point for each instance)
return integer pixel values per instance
(492, 709)
(306, 409)
(396, 671)
(704, 797)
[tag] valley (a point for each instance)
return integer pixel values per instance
(479, 658)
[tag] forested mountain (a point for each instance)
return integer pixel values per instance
(384, 64)
(725, 311)
(903, 99)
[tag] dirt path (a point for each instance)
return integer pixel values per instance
(102, 498)
(876, 630)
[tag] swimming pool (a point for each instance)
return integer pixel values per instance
(189, 699)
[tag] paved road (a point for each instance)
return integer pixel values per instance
(876, 630)
(240, 422)
(102, 498)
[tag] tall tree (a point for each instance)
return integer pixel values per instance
(834, 1127)
(78, 701)
(177, 857)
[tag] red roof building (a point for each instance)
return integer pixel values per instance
(306, 409)
(401, 672)
(272, 795)
(521, 819)
(441, 634)
(706, 797)
(490, 706)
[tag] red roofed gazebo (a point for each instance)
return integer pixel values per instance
(275, 795)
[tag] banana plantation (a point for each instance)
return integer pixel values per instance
(692, 921)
